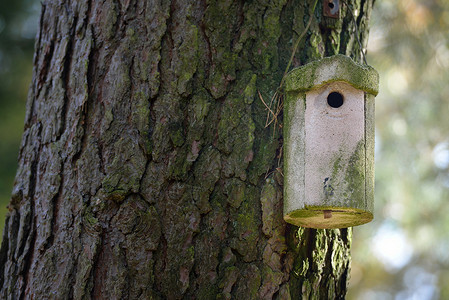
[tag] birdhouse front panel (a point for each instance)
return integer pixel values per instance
(334, 145)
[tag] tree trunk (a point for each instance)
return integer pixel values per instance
(146, 170)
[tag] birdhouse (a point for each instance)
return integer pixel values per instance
(329, 143)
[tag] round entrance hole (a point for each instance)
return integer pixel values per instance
(335, 99)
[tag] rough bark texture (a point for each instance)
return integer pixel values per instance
(145, 170)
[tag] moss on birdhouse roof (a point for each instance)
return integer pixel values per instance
(330, 69)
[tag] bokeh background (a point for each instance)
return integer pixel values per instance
(404, 252)
(19, 21)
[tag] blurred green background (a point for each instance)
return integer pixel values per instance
(18, 26)
(404, 252)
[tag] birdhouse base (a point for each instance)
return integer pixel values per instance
(328, 217)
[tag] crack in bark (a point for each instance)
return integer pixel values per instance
(28, 257)
(95, 271)
(85, 111)
(44, 67)
(65, 76)
(55, 203)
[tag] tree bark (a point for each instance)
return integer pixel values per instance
(146, 170)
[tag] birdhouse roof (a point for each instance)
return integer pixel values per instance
(330, 69)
